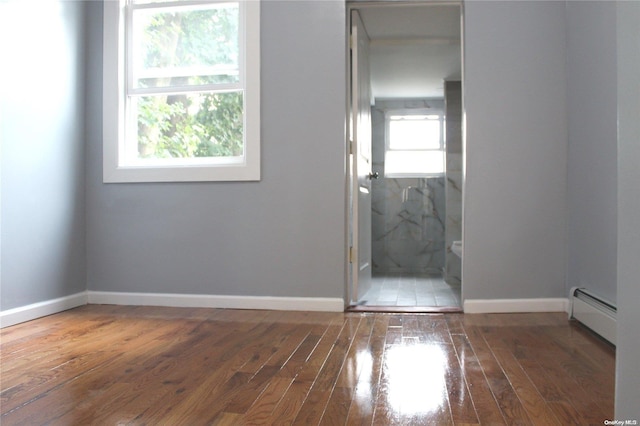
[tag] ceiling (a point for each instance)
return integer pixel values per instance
(414, 48)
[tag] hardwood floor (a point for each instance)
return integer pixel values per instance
(108, 365)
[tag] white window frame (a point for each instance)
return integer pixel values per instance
(115, 169)
(441, 148)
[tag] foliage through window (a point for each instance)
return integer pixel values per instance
(414, 143)
(188, 106)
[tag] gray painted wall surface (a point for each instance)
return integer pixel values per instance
(592, 176)
(628, 362)
(283, 236)
(516, 150)
(43, 224)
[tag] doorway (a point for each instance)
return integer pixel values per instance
(405, 96)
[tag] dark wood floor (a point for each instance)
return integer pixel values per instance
(108, 365)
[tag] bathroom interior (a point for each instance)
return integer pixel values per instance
(416, 118)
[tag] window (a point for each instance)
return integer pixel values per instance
(414, 144)
(181, 90)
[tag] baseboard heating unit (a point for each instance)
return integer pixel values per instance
(594, 312)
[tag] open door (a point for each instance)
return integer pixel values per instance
(360, 161)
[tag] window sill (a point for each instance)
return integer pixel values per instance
(181, 174)
(413, 175)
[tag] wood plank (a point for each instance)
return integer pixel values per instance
(365, 391)
(292, 364)
(328, 375)
(243, 398)
(354, 361)
(310, 368)
(505, 395)
(460, 400)
(485, 404)
(287, 409)
(549, 362)
(313, 407)
(72, 363)
(260, 411)
(534, 404)
(102, 364)
(337, 408)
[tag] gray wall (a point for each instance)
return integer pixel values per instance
(592, 177)
(627, 365)
(516, 151)
(283, 236)
(43, 224)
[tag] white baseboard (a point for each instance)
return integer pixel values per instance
(326, 304)
(41, 309)
(49, 307)
(494, 306)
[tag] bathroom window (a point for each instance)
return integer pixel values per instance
(181, 90)
(414, 143)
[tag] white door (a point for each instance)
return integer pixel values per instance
(360, 160)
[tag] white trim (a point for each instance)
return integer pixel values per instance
(602, 321)
(327, 304)
(495, 306)
(41, 309)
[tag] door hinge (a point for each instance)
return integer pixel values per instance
(350, 254)
(350, 147)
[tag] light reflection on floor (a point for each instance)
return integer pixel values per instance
(416, 378)
(364, 390)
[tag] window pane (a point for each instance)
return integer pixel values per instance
(414, 132)
(413, 163)
(186, 46)
(187, 126)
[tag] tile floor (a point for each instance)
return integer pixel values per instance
(411, 290)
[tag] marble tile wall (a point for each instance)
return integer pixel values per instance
(453, 221)
(408, 214)
(408, 223)
(453, 185)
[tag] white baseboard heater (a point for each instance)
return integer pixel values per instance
(594, 312)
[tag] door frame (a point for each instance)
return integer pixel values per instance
(359, 161)
(353, 5)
